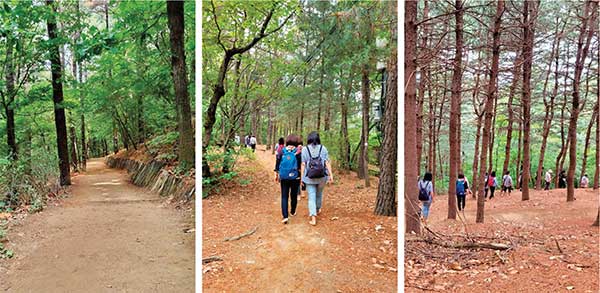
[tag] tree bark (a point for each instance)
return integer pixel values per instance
(491, 96)
(185, 148)
(529, 19)
(364, 147)
(344, 141)
(386, 193)
(8, 101)
(453, 134)
(583, 45)
(410, 124)
(588, 134)
(509, 130)
(74, 162)
(60, 120)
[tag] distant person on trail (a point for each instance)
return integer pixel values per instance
(287, 173)
(462, 186)
(426, 195)
(279, 146)
(562, 179)
(548, 179)
(247, 140)
(253, 143)
(315, 161)
(584, 181)
(237, 139)
(491, 184)
(507, 183)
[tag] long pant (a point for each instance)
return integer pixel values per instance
(315, 197)
(289, 190)
(547, 186)
(253, 146)
(425, 209)
(461, 200)
(492, 188)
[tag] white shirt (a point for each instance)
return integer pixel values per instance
(253, 140)
(548, 177)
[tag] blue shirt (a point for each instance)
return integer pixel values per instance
(314, 151)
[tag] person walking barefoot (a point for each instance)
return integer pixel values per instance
(315, 161)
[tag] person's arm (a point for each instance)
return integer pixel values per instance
(277, 163)
(325, 157)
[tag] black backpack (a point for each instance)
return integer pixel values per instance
(316, 168)
(423, 195)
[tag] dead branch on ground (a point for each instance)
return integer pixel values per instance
(250, 232)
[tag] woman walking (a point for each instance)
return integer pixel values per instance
(426, 195)
(315, 161)
(287, 173)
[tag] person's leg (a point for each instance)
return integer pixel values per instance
(319, 197)
(464, 201)
(311, 189)
(492, 188)
(285, 191)
(458, 201)
(485, 192)
(294, 187)
(425, 211)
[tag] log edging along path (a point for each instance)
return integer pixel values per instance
(152, 175)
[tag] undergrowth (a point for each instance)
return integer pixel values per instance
(217, 159)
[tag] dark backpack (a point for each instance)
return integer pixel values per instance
(423, 194)
(460, 187)
(288, 167)
(316, 168)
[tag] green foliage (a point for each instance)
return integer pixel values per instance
(5, 252)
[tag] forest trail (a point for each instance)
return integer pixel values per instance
(536, 227)
(343, 253)
(108, 236)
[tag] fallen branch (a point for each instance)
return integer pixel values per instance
(558, 246)
(242, 235)
(422, 288)
(468, 245)
(211, 259)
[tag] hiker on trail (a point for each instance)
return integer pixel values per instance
(584, 181)
(253, 143)
(491, 184)
(426, 195)
(462, 186)
(287, 173)
(247, 140)
(548, 179)
(507, 183)
(485, 185)
(315, 160)
(279, 146)
(562, 179)
(237, 139)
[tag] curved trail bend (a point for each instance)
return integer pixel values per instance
(109, 236)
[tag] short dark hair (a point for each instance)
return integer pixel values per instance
(313, 138)
(493, 174)
(461, 175)
(428, 176)
(292, 140)
(281, 141)
(507, 172)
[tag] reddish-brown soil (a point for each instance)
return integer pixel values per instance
(108, 236)
(349, 250)
(533, 228)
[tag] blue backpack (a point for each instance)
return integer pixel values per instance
(288, 167)
(460, 187)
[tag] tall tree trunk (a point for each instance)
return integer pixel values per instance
(60, 120)
(453, 134)
(529, 19)
(185, 147)
(476, 156)
(492, 134)
(8, 101)
(423, 80)
(344, 141)
(73, 140)
(410, 124)
(597, 173)
(549, 106)
(588, 134)
(84, 147)
(491, 96)
(511, 115)
(591, 9)
(364, 146)
(386, 193)
(320, 94)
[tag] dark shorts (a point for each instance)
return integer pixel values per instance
(506, 188)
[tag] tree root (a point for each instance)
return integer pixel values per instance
(250, 232)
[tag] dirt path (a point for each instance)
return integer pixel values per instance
(535, 264)
(109, 236)
(345, 255)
